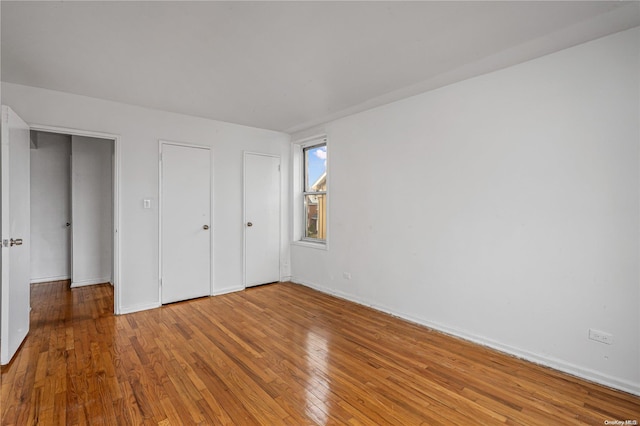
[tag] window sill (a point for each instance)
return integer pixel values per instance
(310, 244)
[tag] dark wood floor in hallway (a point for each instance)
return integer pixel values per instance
(276, 354)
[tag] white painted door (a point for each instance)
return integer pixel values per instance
(14, 315)
(186, 221)
(261, 219)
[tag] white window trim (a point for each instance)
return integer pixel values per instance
(297, 169)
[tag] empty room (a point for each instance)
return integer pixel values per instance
(320, 212)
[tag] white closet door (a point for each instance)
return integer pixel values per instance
(262, 219)
(186, 222)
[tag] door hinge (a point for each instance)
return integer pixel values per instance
(278, 167)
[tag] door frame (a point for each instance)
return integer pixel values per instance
(244, 214)
(116, 179)
(161, 143)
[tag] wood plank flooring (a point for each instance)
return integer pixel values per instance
(270, 355)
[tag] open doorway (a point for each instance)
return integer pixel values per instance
(73, 204)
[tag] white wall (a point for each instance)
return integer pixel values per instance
(503, 209)
(92, 210)
(50, 208)
(139, 130)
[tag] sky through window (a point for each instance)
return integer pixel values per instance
(317, 163)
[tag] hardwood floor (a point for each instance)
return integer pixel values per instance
(276, 354)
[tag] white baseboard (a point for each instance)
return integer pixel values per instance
(50, 279)
(554, 363)
(547, 361)
(139, 307)
(226, 291)
(340, 294)
(92, 281)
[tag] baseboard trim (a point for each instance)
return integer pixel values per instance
(550, 362)
(83, 283)
(50, 279)
(139, 308)
(226, 291)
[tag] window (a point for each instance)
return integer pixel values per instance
(315, 192)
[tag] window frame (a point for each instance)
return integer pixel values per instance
(298, 186)
(307, 192)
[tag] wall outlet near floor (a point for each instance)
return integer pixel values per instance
(346, 275)
(601, 336)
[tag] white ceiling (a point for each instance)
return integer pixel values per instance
(283, 65)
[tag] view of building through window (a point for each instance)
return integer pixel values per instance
(315, 192)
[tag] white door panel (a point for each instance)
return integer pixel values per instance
(14, 315)
(186, 222)
(262, 219)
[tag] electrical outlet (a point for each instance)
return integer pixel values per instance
(346, 275)
(601, 336)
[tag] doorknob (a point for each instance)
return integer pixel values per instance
(249, 224)
(16, 242)
(68, 224)
(205, 227)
